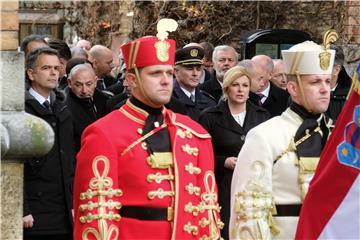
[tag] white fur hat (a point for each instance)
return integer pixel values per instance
(310, 58)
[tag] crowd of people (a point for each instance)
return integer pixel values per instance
(175, 143)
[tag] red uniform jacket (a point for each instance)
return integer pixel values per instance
(114, 169)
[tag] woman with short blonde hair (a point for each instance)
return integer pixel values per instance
(231, 75)
(228, 124)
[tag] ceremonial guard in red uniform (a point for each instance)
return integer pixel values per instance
(144, 172)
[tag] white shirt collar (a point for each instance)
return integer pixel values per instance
(240, 117)
(38, 97)
(187, 93)
(334, 88)
(266, 91)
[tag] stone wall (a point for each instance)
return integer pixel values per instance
(351, 42)
(11, 171)
(9, 25)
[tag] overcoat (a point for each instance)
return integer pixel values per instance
(202, 101)
(276, 102)
(48, 180)
(85, 111)
(228, 137)
(212, 87)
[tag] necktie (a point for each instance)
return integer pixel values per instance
(47, 105)
(192, 97)
(260, 97)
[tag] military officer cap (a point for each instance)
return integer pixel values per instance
(192, 55)
(310, 58)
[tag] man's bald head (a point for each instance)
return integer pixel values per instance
(264, 62)
(102, 59)
(265, 68)
(98, 51)
(257, 81)
(84, 44)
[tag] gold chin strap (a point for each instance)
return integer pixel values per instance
(134, 48)
(139, 83)
(298, 79)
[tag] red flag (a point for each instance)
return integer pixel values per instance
(331, 209)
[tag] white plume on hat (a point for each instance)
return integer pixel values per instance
(164, 26)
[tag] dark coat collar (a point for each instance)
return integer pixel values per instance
(226, 120)
(56, 102)
(215, 83)
(179, 93)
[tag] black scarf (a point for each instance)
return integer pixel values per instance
(159, 142)
(314, 144)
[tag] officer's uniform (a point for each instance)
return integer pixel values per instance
(191, 56)
(278, 160)
(145, 173)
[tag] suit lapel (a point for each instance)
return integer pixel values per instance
(271, 97)
(179, 94)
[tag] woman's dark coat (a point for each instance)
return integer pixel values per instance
(228, 138)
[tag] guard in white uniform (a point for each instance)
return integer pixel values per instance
(279, 157)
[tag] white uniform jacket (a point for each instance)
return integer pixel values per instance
(258, 183)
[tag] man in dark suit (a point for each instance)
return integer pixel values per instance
(102, 60)
(224, 58)
(188, 70)
(48, 179)
(268, 96)
(86, 103)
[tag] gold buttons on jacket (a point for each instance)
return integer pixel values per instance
(160, 193)
(189, 208)
(91, 205)
(89, 217)
(189, 150)
(184, 134)
(191, 229)
(158, 177)
(204, 222)
(192, 169)
(193, 189)
(89, 193)
(100, 186)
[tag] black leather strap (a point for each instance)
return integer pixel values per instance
(144, 213)
(288, 210)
